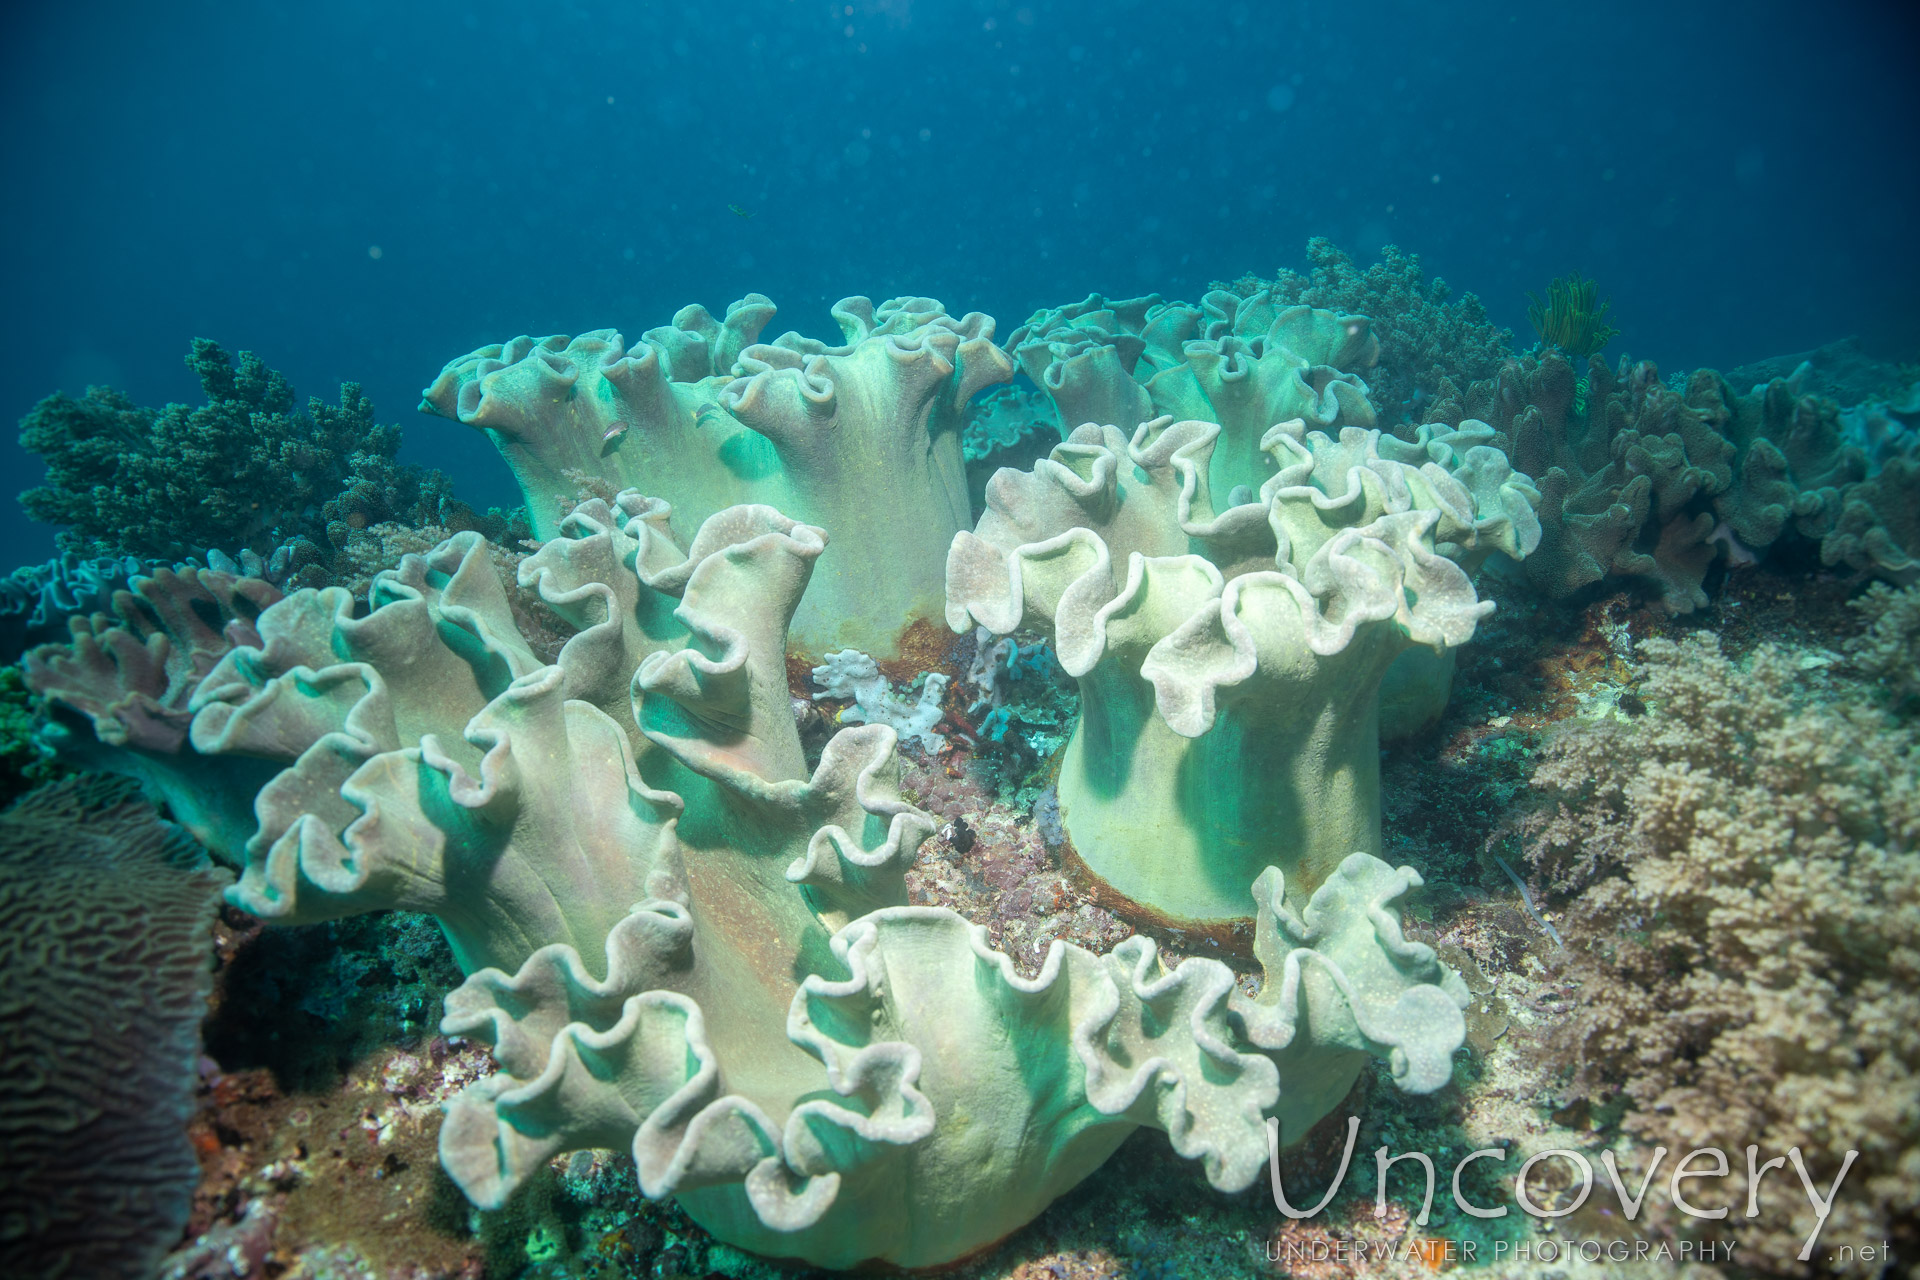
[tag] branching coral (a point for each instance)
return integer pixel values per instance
(1244, 362)
(1570, 319)
(863, 438)
(244, 471)
(1746, 858)
(682, 941)
(1230, 663)
(106, 959)
(1424, 338)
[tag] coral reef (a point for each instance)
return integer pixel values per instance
(1888, 650)
(1643, 481)
(1230, 664)
(36, 600)
(106, 961)
(682, 942)
(119, 696)
(863, 438)
(1243, 362)
(1746, 926)
(1570, 319)
(245, 471)
(25, 762)
(1424, 338)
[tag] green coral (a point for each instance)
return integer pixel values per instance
(1231, 661)
(862, 437)
(1426, 335)
(244, 471)
(684, 939)
(25, 762)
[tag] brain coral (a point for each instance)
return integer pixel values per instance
(1230, 662)
(106, 959)
(863, 438)
(684, 941)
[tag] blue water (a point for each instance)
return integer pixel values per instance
(364, 190)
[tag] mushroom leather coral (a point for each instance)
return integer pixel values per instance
(863, 438)
(681, 941)
(1230, 664)
(1243, 362)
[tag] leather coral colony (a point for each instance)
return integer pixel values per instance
(1231, 659)
(682, 939)
(863, 438)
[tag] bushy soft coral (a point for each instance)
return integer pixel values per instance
(1424, 337)
(1889, 649)
(1745, 928)
(246, 470)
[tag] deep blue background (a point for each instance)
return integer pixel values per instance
(1740, 177)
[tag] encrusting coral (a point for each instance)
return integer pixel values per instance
(1745, 930)
(863, 438)
(106, 960)
(681, 941)
(1231, 660)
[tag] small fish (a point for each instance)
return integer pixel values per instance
(739, 212)
(611, 438)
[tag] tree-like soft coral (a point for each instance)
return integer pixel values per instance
(1745, 930)
(863, 437)
(245, 471)
(1231, 663)
(1424, 337)
(1889, 649)
(684, 941)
